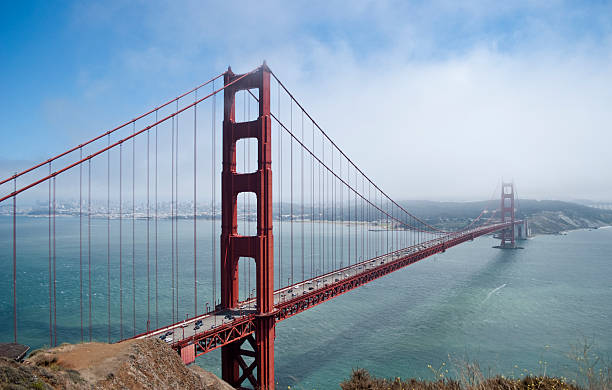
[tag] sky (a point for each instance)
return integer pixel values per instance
(432, 99)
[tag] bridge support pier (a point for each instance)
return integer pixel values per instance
(508, 236)
(260, 247)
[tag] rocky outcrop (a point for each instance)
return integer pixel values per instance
(135, 364)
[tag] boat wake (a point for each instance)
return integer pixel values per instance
(496, 289)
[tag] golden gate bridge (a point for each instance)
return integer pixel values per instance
(336, 230)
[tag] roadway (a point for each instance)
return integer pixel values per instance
(208, 323)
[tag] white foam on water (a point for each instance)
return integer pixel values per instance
(496, 289)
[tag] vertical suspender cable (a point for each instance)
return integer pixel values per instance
(320, 218)
(248, 198)
(355, 214)
(381, 248)
(54, 274)
(176, 156)
(394, 212)
(108, 239)
(353, 220)
(348, 198)
(328, 226)
(212, 205)
(392, 225)
(358, 217)
(15, 261)
(403, 235)
(121, 241)
(81, 239)
(332, 189)
(280, 196)
(133, 232)
(374, 215)
(172, 222)
(406, 234)
(401, 231)
(276, 214)
(342, 212)
(333, 192)
(195, 208)
(312, 189)
(388, 227)
(363, 226)
(291, 186)
(89, 244)
(156, 215)
(302, 195)
(50, 273)
(394, 216)
(324, 196)
(368, 253)
(244, 212)
(378, 237)
(148, 233)
(381, 240)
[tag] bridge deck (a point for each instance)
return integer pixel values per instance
(222, 327)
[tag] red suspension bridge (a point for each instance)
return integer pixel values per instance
(128, 222)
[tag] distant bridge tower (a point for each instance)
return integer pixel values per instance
(507, 215)
(259, 247)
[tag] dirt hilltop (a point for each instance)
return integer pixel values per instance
(134, 364)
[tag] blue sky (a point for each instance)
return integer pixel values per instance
(73, 69)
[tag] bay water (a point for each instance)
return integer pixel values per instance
(511, 311)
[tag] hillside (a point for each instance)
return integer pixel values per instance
(137, 364)
(545, 216)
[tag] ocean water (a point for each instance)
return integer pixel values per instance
(509, 311)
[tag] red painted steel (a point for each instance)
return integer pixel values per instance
(188, 354)
(259, 247)
(242, 327)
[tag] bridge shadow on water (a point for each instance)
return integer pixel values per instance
(441, 318)
(473, 291)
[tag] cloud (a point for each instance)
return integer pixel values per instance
(433, 100)
(457, 126)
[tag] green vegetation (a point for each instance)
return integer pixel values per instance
(362, 380)
(590, 372)
(16, 376)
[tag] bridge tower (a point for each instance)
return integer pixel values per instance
(507, 215)
(260, 247)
